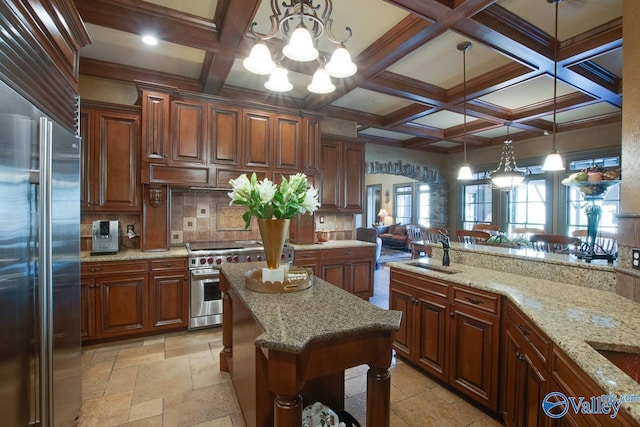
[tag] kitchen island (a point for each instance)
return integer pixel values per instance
(580, 321)
(286, 351)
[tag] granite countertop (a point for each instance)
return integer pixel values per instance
(134, 255)
(571, 316)
(291, 321)
(332, 244)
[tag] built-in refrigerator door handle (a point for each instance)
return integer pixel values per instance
(45, 139)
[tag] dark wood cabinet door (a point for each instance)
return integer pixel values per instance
(308, 259)
(401, 299)
(288, 143)
(116, 165)
(431, 336)
(330, 176)
(258, 136)
(169, 300)
(87, 309)
(156, 108)
(333, 272)
(121, 304)
(474, 340)
(353, 185)
(512, 377)
(361, 280)
(311, 146)
(187, 133)
(224, 132)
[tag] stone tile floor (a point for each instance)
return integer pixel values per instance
(174, 380)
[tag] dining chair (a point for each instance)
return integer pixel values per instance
(431, 235)
(606, 242)
(523, 231)
(554, 243)
(472, 236)
(415, 241)
(492, 229)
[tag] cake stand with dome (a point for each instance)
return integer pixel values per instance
(593, 191)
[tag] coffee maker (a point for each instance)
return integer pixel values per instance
(105, 238)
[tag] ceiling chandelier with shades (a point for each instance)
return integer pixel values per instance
(553, 162)
(465, 169)
(301, 23)
(507, 175)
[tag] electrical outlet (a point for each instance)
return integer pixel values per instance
(635, 258)
(321, 220)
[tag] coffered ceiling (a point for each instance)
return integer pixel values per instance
(408, 91)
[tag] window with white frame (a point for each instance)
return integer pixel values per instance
(423, 192)
(403, 195)
(576, 215)
(477, 202)
(527, 204)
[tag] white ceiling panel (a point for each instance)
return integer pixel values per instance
(203, 8)
(527, 93)
(382, 133)
(443, 51)
(371, 102)
(594, 110)
(611, 61)
(445, 144)
(126, 48)
(497, 132)
(443, 119)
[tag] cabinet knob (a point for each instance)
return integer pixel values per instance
(519, 355)
(524, 330)
(167, 265)
(474, 301)
(93, 270)
(452, 314)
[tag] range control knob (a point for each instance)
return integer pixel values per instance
(281, 256)
(229, 259)
(203, 261)
(248, 258)
(218, 260)
(210, 260)
(236, 258)
(259, 257)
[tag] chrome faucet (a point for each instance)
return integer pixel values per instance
(446, 245)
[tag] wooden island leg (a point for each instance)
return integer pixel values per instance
(227, 332)
(287, 411)
(378, 397)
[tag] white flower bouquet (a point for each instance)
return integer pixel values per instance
(266, 200)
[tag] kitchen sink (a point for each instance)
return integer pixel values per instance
(627, 360)
(439, 269)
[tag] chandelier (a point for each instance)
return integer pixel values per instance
(301, 23)
(465, 170)
(553, 162)
(507, 175)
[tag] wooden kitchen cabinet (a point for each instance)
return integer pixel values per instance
(288, 143)
(114, 299)
(451, 332)
(258, 138)
(188, 143)
(309, 259)
(525, 371)
(169, 293)
(341, 176)
(156, 114)
(224, 134)
(110, 171)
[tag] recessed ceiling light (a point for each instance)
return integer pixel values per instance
(150, 40)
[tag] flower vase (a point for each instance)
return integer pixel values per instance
(274, 233)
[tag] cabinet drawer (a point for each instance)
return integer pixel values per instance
(167, 264)
(306, 255)
(527, 330)
(112, 267)
(429, 285)
(480, 300)
(347, 254)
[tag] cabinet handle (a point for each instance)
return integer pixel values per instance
(451, 314)
(93, 270)
(167, 265)
(524, 330)
(519, 355)
(474, 301)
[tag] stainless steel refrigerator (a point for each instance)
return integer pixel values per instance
(40, 369)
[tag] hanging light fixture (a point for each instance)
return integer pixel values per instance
(312, 23)
(507, 175)
(465, 169)
(553, 162)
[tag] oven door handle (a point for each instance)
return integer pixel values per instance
(203, 275)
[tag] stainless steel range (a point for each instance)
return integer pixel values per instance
(205, 259)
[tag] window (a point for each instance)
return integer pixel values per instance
(527, 204)
(477, 203)
(576, 215)
(424, 204)
(403, 195)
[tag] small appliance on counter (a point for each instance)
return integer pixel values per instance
(105, 238)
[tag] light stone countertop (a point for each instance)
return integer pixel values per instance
(333, 244)
(571, 316)
(134, 255)
(293, 320)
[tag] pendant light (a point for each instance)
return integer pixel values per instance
(554, 162)
(507, 175)
(465, 170)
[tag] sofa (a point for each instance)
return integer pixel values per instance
(394, 236)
